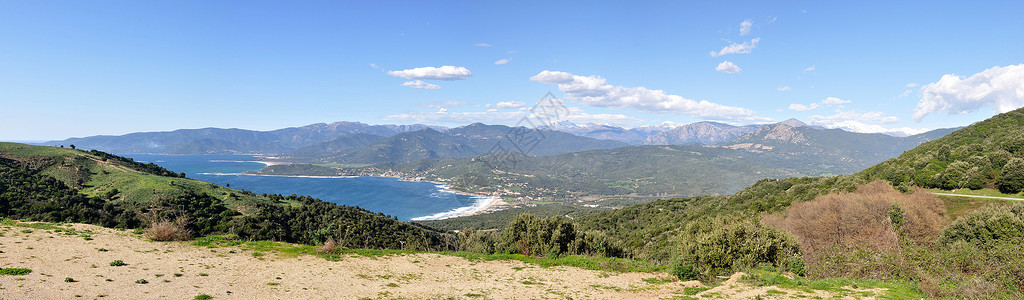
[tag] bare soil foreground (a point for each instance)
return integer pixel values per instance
(81, 264)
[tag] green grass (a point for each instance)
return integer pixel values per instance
(15, 271)
(203, 297)
(959, 206)
(980, 192)
(293, 250)
(768, 276)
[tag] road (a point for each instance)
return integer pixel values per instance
(976, 196)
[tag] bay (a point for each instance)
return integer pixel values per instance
(405, 200)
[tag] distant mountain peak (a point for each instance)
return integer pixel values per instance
(793, 123)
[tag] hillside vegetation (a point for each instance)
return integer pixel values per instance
(988, 154)
(66, 185)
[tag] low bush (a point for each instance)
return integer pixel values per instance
(167, 230)
(726, 244)
(986, 225)
(15, 271)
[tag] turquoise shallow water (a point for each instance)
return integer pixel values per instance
(405, 200)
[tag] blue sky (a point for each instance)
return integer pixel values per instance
(78, 68)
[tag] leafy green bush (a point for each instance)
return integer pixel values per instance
(986, 225)
(684, 270)
(1011, 179)
(117, 263)
(726, 244)
(15, 271)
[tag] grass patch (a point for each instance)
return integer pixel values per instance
(203, 297)
(768, 276)
(582, 262)
(655, 280)
(694, 290)
(15, 271)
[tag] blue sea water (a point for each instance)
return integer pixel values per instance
(406, 200)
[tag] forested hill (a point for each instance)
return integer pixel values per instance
(66, 185)
(465, 141)
(857, 150)
(988, 154)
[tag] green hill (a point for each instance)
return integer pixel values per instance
(465, 141)
(987, 154)
(66, 185)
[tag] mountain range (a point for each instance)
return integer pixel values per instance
(222, 141)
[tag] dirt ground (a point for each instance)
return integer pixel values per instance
(177, 270)
(180, 270)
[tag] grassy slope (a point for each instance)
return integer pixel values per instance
(96, 177)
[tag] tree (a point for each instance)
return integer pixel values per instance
(1011, 179)
(72, 146)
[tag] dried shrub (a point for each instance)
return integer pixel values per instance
(874, 218)
(329, 247)
(167, 230)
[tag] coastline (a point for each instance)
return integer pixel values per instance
(482, 204)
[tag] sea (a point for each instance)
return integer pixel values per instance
(405, 200)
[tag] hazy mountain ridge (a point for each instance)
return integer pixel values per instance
(233, 140)
(707, 133)
(466, 141)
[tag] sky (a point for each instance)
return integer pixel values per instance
(82, 68)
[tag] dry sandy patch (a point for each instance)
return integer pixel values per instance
(179, 270)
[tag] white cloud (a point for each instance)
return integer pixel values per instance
(808, 69)
(596, 92)
(577, 116)
(735, 48)
(855, 126)
(1001, 88)
(745, 27)
(827, 101)
(442, 73)
(444, 104)
(493, 116)
(374, 66)
(728, 67)
(801, 107)
(510, 104)
(834, 100)
(910, 85)
(483, 45)
(419, 84)
(501, 61)
(873, 117)
(905, 93)
(783, 89)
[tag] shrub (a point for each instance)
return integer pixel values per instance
(117, 263)
(142, 281)
(166, 230)
(69, 279)
(329, 247)
(868, 218)
(203, 297)
(15, 271)
(723, 245)
(684, 270)
(986, 225)
(1011, 178)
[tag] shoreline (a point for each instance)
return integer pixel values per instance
(481, 205)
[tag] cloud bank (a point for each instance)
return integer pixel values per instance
(446, 73)
(728, 67)
(1001, 88)
(595, 91)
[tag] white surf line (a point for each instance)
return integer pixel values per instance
(482, 202)
(978, 196)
